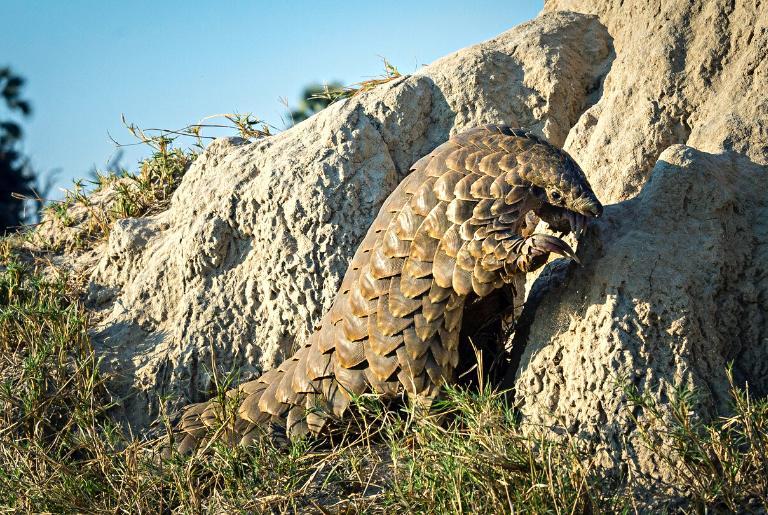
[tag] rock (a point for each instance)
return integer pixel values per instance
(257, 237)
(689, 73)
(674, 287)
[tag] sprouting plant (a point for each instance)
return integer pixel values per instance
(334, 94)
(161, 140)
(720, 462)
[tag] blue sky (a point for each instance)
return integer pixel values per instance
(167, 64)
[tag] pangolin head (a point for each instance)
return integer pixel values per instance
(563, 190)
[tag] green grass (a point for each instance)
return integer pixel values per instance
(722, 464)
(334, 94)
(480, 461)
(85, 215)
(60, 452)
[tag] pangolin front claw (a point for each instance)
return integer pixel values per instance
(547, 243)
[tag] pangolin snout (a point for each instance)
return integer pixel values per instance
(593, 209)
(588, 206)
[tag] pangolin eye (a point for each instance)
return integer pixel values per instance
(556, 196)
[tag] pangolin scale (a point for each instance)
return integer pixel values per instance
(452, 230)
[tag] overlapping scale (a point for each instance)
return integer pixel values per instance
(447, 232)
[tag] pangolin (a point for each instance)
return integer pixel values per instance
(453, 230)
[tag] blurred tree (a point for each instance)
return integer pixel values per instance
(315, 98)
(15, 176)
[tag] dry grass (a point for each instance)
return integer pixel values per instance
(84, 217)
(721, 464)
(60, 452)
(478, 460)
(334, 94)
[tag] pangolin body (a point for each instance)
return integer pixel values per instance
(452, 230)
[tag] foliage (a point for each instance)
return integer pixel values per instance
(50, 390)
(313, 101)
(480, 461)
(86, 214)
(16, 179)
(316, 97)
(84, 217)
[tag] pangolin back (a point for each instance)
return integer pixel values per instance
(450, 230)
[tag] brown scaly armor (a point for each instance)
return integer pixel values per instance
(453, 230)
